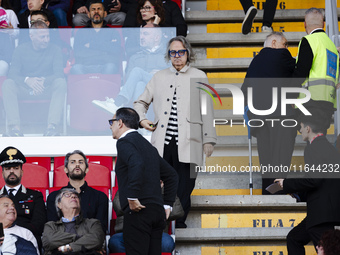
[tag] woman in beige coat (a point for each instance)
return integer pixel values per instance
(180, 131)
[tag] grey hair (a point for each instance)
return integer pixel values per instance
(37, 25)
(273, 34)
(6, 196)
(59, 197)
(187, 46)
(315, 11)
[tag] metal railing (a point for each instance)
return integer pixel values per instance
(332, 30)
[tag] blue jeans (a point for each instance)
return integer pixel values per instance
(108, 68)
(60, 15)
(116, 243)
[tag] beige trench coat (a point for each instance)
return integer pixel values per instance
(194, 129)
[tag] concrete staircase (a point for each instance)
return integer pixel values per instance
(225, 219)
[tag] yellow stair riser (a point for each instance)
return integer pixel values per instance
(226, 75)
(240, 52)
(256, 28)
(230, 129)
(240, 163)
(224, 192)
(251, 220)
(252, 250)
(213, 5)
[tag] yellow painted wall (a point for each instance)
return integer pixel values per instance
(251, 250)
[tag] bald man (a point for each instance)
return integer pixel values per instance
(317, 65)
(275, 143)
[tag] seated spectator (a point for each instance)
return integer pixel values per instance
(112, 8)
(116, 242)
(72, 234)
(35, 5)
(6, 52)
(96, 50)
(18, 240)
(163, 13)
(93, 202)
(329, 243)
(11, 18)
(141, 67)
(59, 9)
(36, 72)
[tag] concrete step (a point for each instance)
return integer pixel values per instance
(218, 64)
(220, 16)
(287, 5)
(238, 39)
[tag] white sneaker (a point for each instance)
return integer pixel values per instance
(266, 29)
(107, 105)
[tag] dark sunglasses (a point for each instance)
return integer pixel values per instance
(111, 121)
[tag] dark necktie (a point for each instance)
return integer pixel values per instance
(11, 195)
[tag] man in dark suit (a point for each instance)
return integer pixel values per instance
(270, 69)
(139, 170)
(29, 204)
(321, 184)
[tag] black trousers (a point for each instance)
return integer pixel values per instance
(275, 146)
(299, 236)
(269, 10)
(142, 231)
(186, 182)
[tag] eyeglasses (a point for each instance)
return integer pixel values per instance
(146, 8)
(34, 21)
(69, 194)
(180, 53)
(111, 121)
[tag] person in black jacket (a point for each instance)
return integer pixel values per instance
(139, 170)
(321, 183)
(29, 204)
(35, 5)
(275, 143)
(172, 15)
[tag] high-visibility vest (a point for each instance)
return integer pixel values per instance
(323, 75)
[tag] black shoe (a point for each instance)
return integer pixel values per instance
(248, 20)
(180, 225)
(13, 133)
(52, 131)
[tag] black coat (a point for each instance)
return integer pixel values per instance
(262, 75)
(23, 18)
(323, 194)
(139, 169)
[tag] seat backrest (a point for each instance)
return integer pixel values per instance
(101, 160)
(41, 161)
(98, 175)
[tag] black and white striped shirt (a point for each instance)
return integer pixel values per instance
(172, 129)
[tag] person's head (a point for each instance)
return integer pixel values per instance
(180, 52)
(276, 40)
(39, 15)
(35, 5)
(329, 243)
(150, 36)
(67, 200)
(11, 161)
(311, 125)
(147, 9)
(6, 4)
(97, 12)
(124, 119)
(314, 18)
(8, 214)
(40, 35)
(76, 165)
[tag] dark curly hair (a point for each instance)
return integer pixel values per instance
(330, 242)
(157, 4)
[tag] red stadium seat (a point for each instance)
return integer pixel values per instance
(101, 160)
(34, 177)
(98, 175)
(41, 161)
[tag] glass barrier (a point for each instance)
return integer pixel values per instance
(70, 81)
